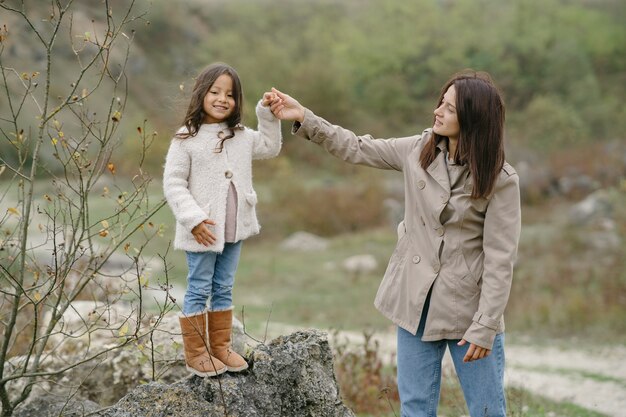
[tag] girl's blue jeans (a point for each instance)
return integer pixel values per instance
(211, 276)
(419, 375)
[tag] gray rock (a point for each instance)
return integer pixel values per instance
(290, 376)
(360, 264)
(595, 206)
(113, 375)
(48, 405)
(303, 241)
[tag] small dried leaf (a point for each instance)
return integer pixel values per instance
(104, 233)
(54, 141)
(124, 330)
(116, 116)
(37, 296)
(111, 167)
(105, 224)
(14, 211)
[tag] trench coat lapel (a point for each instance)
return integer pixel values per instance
(437, 169)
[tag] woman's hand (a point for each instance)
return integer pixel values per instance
(202, 234)
(474, 352)
(286, 107)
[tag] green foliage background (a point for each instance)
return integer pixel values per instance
(373, 66)
(377, 66)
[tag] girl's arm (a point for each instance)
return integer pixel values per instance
(500, 240)
(176, 187)
(340, 142)
(267, 140)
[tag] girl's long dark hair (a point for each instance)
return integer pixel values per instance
(195, 112)
(480, 110)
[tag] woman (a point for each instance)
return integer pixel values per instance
(448, 281)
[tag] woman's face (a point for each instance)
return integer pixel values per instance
(446, 120)
(219, 102)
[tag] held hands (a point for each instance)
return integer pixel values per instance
(269, 98)
(202, 234)
(283, 106)
(474, 352)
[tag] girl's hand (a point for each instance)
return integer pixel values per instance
(202, 234)
(268, 99)
(286, 107)
(474, 352)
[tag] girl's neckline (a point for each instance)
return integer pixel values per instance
(213, 127)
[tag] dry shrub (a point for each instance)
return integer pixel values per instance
(367, 385)
(326, 210)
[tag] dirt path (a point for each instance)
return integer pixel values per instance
(593, 378)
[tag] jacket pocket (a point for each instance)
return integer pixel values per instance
(208, 210)
(251, 198)
(399, 254)
(473, 271)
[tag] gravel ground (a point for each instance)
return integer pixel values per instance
(593, 378)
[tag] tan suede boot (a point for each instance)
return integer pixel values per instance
(220, 327)
(196, 345)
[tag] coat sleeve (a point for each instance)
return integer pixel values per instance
(360, 150)
(267, 140)
(500, 240)
(176, 187)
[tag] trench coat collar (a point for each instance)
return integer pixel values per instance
(438, 169)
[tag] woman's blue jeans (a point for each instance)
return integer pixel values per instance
(211, 275)
(419, 375)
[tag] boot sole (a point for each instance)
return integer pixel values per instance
(239, 369)
(206, 374)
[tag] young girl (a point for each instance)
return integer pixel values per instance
(448, 280)
(208, 185)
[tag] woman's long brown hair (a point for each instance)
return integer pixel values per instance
(195, 112)
(480, 110)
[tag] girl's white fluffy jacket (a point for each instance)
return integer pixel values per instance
(196, 179)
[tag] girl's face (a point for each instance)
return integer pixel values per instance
(219, 102)
(446, 120)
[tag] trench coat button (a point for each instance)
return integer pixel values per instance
(416, 259)
(436, 267)
(440, 231)
(221, 134)
(228, 174)
(421, 184)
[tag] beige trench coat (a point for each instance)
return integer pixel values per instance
(467, 262)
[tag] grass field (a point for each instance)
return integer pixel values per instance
(562, 288)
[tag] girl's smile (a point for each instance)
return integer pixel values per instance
(219, 101)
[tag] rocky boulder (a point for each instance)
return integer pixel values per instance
(290, 376)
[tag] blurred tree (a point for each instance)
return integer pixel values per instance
(55, 246)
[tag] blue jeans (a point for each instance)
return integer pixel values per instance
(211, 274)
(419, 375)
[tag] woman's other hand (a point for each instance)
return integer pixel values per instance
(474, 352)
(202, 234)
(286, 107)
